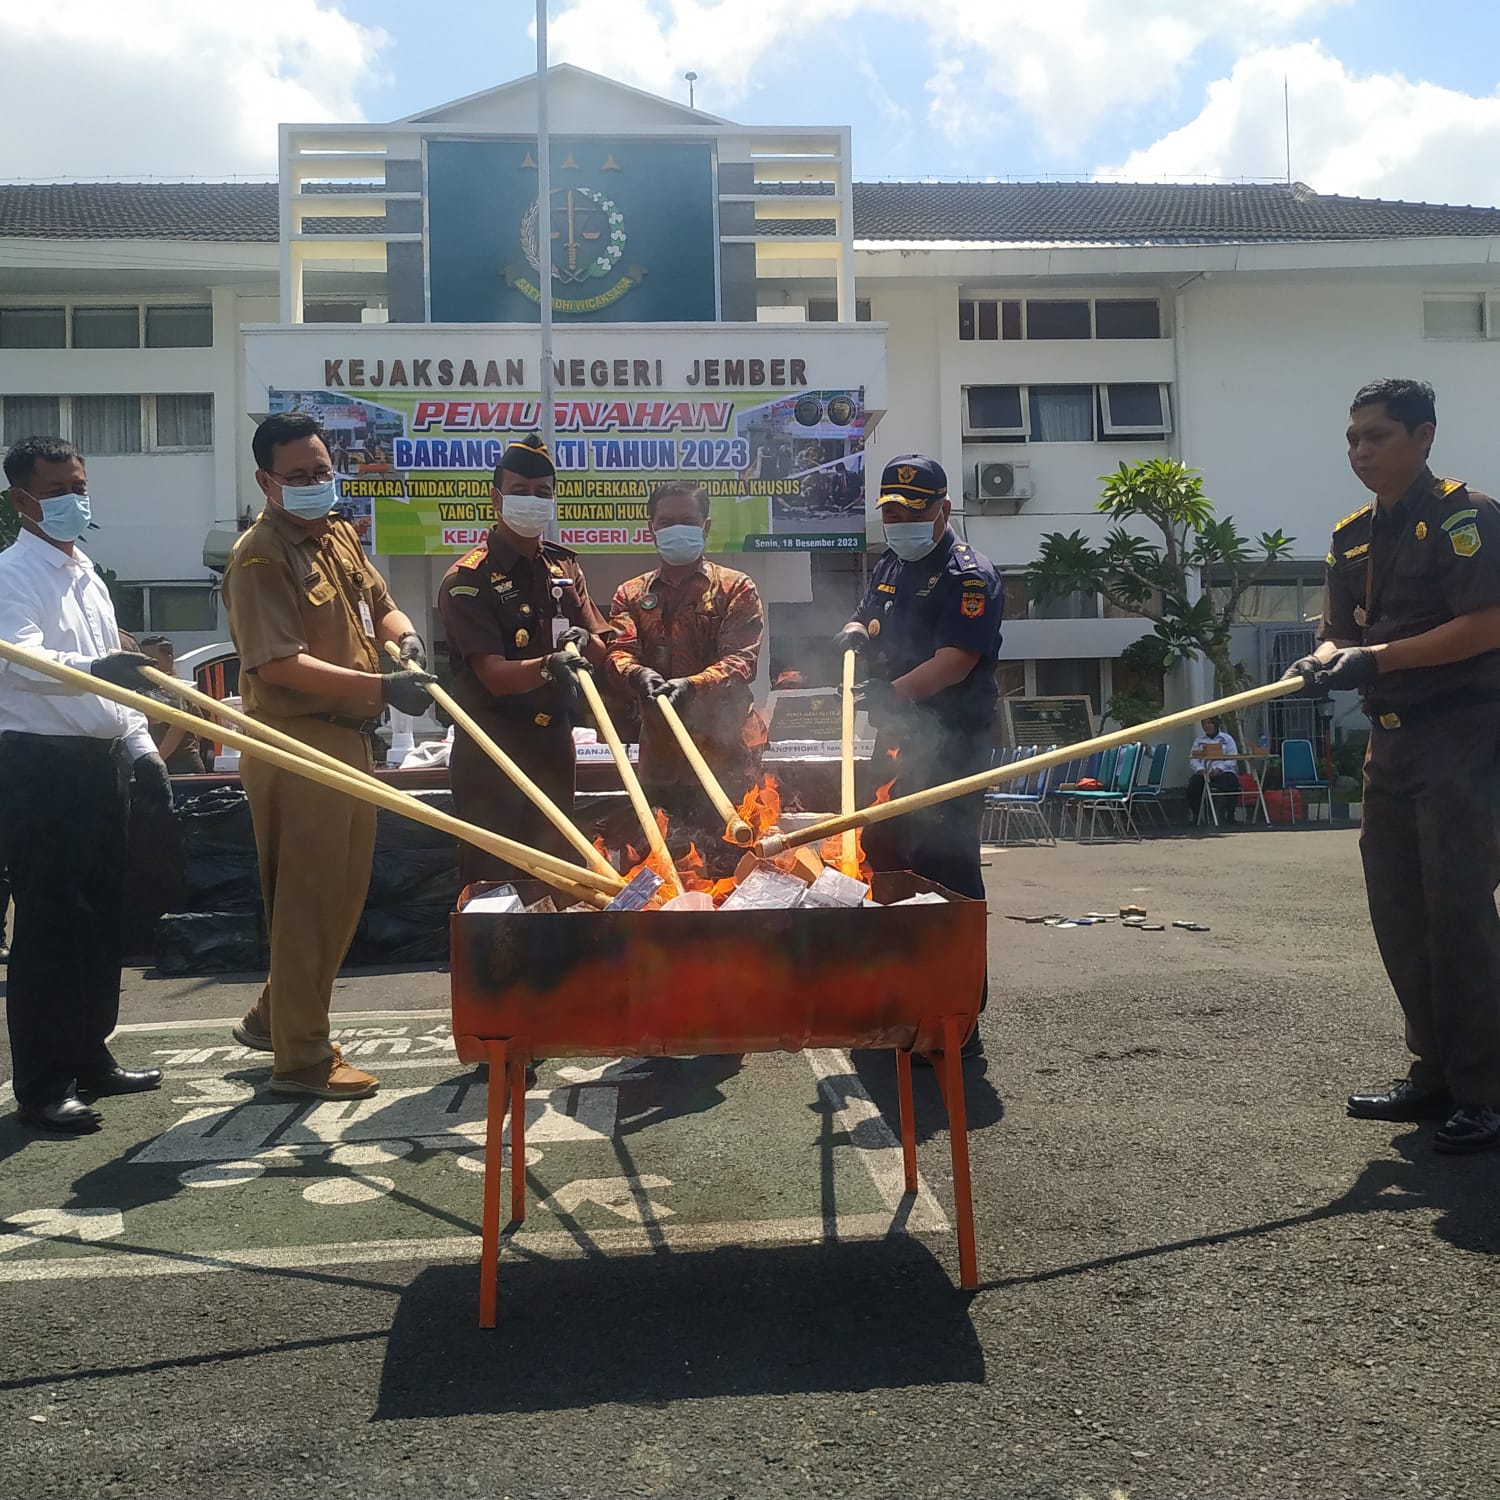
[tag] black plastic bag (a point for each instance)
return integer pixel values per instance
(210, 942)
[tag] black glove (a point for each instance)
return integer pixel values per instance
(574, 635)
(1350, 667)
(563, 667)
(649, 682)
(853, 637)
(406, 690)
(153, 782)
(877, 698)
(123, 669)
(676, 690)
(413, 648)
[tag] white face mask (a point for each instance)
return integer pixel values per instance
(680, 545)
(310, 501)
(911, 541)
(527, 515)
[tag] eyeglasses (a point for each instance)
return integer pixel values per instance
(299, 481)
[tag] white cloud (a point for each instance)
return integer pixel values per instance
(1370, 135)
(1068, 66)
(99, 88)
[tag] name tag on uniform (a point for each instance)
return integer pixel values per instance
(366, 619)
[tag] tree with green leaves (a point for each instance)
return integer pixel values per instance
(1162, 581)
(10, 522)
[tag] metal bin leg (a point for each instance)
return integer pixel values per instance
(518, 1142)
(489, 1243)
(908, 1120)
(958, 1138)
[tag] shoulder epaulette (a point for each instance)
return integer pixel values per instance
(1446, 487)
(473, 559)
(557, 549)
(1364, 510)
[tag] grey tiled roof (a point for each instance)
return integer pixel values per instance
(1015, 212)
(1145, 213)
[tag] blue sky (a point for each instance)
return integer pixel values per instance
(1389, 97)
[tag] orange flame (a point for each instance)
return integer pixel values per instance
(761, 808)
(638, 861)
(690, 867)
(883, 793)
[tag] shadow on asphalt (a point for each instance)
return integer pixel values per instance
(1464, 1193)
(877, 1071)
(732, 1322)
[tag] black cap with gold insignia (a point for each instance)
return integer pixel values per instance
(527, 457)
(913, 481)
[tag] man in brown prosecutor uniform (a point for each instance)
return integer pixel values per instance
(509, 609)
(310, 616)
(1411, 617)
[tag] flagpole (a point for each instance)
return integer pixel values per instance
(544, 233)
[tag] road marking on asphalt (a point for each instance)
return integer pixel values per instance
(553, 1243)
(447, 1117)
(875, 1141)
(84, 1224)
(624, 1197)
(230, 1136)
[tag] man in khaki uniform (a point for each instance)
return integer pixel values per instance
(309, 616)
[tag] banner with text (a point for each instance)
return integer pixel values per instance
(783, 467)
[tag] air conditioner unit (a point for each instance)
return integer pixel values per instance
(1002, 481)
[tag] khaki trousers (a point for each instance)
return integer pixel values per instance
(315, 846)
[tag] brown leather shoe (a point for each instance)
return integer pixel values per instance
(331, 1079)
(251, 1032)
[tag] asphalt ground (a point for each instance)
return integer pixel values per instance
(1197, 1277)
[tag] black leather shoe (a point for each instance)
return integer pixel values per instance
(1468, 1130)
(71, 1116)
(121, 1081)
(1403, 1100)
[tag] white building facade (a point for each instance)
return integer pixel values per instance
(1030, 336)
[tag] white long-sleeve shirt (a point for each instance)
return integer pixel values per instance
(57, 605)
(1222, 743)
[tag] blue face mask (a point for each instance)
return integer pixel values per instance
(310, 501)
(680, 545)
(911, 541)
(65, 518)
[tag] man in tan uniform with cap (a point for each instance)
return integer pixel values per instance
(309, 616)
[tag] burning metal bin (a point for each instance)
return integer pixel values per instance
(592, 984)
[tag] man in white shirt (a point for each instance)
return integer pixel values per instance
(1212, 767)
(67, 761)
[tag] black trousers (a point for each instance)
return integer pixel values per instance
(1223, 783)
(63, 811)
(940, 843)
(1431, 852)
(483, 794)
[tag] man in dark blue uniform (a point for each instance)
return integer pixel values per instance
(928, 629)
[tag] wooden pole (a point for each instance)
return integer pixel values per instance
(534, 794)
(983, 780)
(633, 789)
(287, 742)
(544, 867)
(734, 825)
(850, 857)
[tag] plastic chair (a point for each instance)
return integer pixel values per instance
(1148, 792)
(1299, 773)
(1025, 799)
(1115, 799)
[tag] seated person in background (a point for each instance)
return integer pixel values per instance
(1214, 741)
(177, 747)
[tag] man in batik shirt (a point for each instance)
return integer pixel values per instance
(690, 631)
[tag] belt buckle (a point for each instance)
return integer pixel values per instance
(1389, 721)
